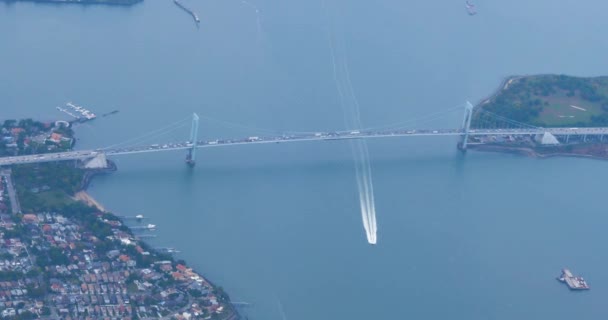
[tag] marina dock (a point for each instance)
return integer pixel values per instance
(79, 113)
(150, 227)
(573, 282)
(190, 11)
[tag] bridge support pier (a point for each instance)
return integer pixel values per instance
(466, 125)
(191, 156)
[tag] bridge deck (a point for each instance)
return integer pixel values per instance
(320, 136)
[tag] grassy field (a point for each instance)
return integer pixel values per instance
(552, 101)
(46, 185)
(47, 199)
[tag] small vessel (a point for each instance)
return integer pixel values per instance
(573, 282)
(139, 216)
(470, 8)
(151, 226)
(110, 113)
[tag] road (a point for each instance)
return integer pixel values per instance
(289, 138)
(12, 194)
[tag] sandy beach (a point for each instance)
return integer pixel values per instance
(86, 198)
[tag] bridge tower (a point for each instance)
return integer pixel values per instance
(191, 157)
(466, 125)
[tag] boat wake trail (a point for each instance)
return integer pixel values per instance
(281, 310)
(365, 188)
(258, 21)
(352, 119)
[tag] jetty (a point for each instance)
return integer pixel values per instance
(144, 236)
(167, 250)
(147, 227)
(573, 282)
(81, 114)
(138, 217)
(190, 11)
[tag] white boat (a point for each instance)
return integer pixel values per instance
(151, 226)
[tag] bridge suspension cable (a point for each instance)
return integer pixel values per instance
(152, 134)
(233, 125)
(421, 119)
(482, 119)
(397, 125)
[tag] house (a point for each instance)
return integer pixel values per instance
(16, 131)
(55, 137)
(30, 218)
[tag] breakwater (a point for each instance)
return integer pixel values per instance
(82, 2)
(188, 10)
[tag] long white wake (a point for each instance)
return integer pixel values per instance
(352, 119)
(258, 21)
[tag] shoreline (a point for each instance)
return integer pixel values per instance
(83, 196)
(533, 152)
(590, 150)
(503, 85)
(86, 198)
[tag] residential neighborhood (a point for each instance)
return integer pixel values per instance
(30, 137)
(85, 264)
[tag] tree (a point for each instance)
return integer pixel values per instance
(195, 293)
(45, 311)
(25, 315)
(9, 123)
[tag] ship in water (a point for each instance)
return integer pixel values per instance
(573, 282)
(470, 8)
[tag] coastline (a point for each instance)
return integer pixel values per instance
(582, 149)
(83, 196)
(534, 152)
(504, 84)
(88, 200)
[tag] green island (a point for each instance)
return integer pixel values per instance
(547, 101)
(63, 256)
(552, 101)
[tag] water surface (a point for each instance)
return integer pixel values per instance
(466, 237)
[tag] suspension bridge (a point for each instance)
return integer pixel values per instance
(488, 125)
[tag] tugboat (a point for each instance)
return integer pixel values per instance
(470, 8)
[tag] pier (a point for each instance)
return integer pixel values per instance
(77, 112)
(167, 250)
(150, 227)
(139, 217)
(190, 11)
(145, 236)
(573, 282)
